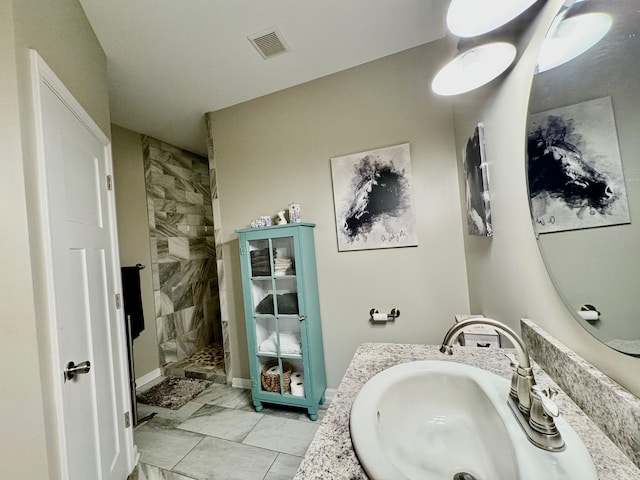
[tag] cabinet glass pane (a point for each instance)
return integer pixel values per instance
(277, 376)
(260, 257)
(272, 375)
(284, 263)
(296, 386)
(266, 337)
(286, 296)
(263, 300)
(290, 338)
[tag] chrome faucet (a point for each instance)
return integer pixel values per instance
(531, 405)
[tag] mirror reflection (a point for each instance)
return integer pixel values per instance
(584, 167)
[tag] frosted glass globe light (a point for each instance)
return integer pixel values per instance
(469, 18)
(571, 38)
(473, 68)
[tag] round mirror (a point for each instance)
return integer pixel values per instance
(583, 148)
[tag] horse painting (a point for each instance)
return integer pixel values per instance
(558, 170)
(379, 190)
(574, 168)
(374, 199)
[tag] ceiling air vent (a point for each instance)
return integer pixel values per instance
(269, 43)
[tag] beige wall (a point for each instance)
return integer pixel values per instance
(60, 32)
(133, 236)
(62, 35)
(23, 451)
(276, 149)
(507, 278)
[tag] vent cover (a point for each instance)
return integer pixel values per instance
(269, 43)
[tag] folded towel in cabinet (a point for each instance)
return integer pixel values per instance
(268, 345)
(287, 304)
(289, 344)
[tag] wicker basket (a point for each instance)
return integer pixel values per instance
(271, 381)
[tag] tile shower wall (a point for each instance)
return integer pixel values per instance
(185, 278)
(217, 229)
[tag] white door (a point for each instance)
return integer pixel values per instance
(86, 325)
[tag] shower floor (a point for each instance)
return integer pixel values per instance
(208, 364)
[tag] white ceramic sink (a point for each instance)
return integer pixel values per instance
(435, 419)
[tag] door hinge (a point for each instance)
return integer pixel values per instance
(127, 420)
(118, 301)
(109, 182)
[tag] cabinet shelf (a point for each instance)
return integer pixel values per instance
(290, 356)
(276, 277)
(267, 354)
(283, 257)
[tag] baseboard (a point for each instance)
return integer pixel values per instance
(147, 377)
(329, 393)
(241, 383)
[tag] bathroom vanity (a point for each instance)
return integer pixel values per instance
(331, 454)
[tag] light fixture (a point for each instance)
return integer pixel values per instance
(571, 37)
(470, 18)
(473, 68)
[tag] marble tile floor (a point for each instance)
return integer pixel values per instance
(219, 435)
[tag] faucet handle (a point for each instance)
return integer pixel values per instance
(512, 360)
(544, 395)
(541, 420)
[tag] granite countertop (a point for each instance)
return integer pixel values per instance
(331, 454)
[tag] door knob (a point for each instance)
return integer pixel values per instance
(72, 369)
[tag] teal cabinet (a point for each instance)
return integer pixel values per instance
(282, 312)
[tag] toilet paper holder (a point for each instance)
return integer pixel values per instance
(589, 313)
(376, 317)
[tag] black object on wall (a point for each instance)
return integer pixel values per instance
(132, 298)
(134, 318)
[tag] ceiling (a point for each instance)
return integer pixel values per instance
(171, 61)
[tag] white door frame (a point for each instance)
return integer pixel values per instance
(41, 75)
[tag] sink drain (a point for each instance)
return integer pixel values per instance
(464, 476)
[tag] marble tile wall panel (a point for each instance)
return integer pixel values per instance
(611, 407)
(166, 302)
(155, 276)
(179, 248)
(182, 297)
(162, 249)
(183, 256)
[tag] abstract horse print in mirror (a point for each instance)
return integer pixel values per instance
(477, 185)
(373, 199)
(575, 171)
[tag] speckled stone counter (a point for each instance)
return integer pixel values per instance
(612, 408)
(331, 455)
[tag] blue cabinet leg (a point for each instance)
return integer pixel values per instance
(322, 399)
(313, 413)
(258, 405)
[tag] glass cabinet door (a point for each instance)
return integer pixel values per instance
(277, 316)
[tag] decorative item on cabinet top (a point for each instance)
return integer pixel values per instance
(267, 221)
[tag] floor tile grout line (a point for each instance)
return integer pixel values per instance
(216, 436)
(190, 450)
(162, 470)
(270, 466)
(252, 428)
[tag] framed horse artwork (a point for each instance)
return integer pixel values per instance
(373, 199)
(574, 168)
